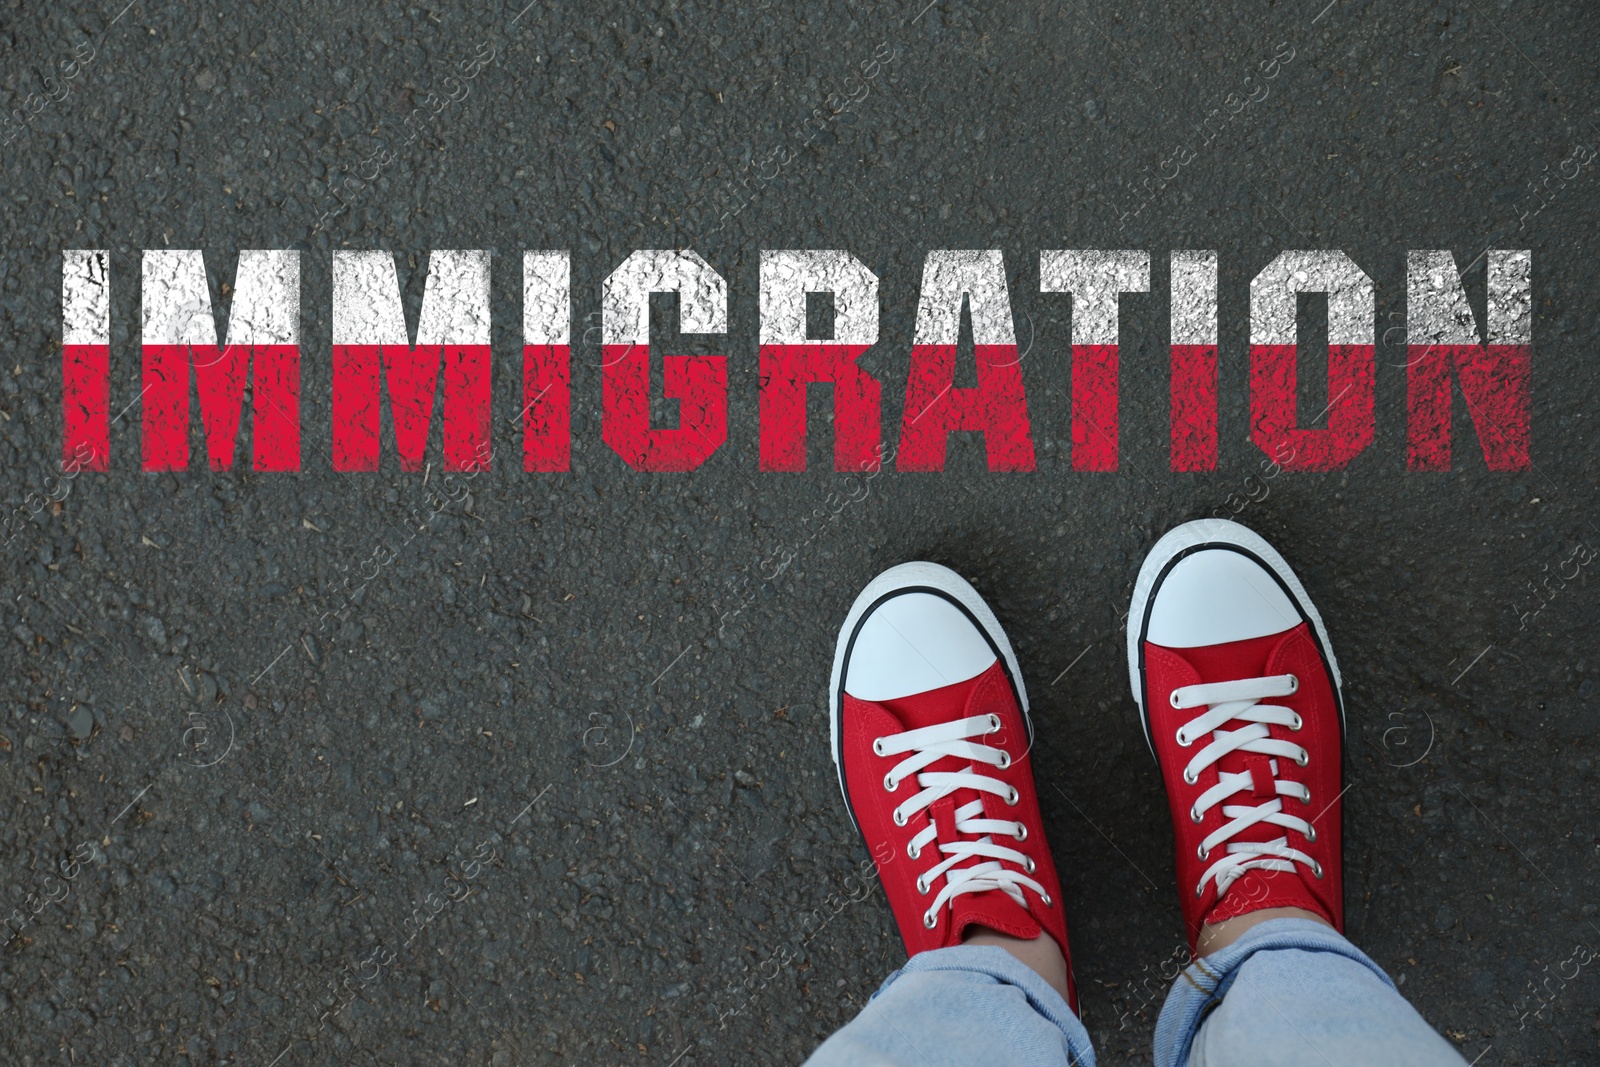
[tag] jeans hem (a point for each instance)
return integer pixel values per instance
(1002, 966)
(1201, 986)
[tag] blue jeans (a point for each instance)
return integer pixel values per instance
(1289, 992)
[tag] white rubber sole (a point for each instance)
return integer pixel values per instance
(1197, 534)
(908, 577)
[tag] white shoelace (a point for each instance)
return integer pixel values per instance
(928, 745)
(1238, 701)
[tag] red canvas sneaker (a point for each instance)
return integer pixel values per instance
(931, 737)
(1238, 692)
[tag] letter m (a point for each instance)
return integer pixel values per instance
(370, 342)
(180, 339)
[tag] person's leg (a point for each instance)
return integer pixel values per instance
(931, 738)
(967, 1006)
(1238, 693)
(1291, 992)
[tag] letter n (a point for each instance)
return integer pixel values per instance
(1494, 377)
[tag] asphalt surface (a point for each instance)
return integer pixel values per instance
(555, 786)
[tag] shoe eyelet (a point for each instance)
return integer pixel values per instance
(1021, 833)
(994, 724)
(930, 920)
(1294, 685)
(1190, 779)
(1172, 698)
(1195, 816)
(877, 746)
(1005, 760)
(1316, 868)
(1298, 722)
(1202, 853)
(1028, 864)
(889, 783)
(1200, 890)
(922, 886)
(1302, 759)
(1184, 740)
(1049, 903)
(1311, 834)
(912, 852)
(899, 818)
(1014, 797)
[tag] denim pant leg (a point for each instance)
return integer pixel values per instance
(1292, 992)
(967, 1006)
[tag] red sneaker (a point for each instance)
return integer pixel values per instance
(1238, 692)
(931, 737)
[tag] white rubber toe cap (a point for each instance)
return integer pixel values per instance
(916, 627)
(912, 643)
(1211, 582)
(1217, 596)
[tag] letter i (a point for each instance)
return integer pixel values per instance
(85, 359)
(1194, 360)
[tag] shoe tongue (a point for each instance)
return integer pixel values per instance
(1257, 889)
(1235, 660)
(1253, 658)
(981, 695)
(987, 692)
(938, 705)
(992, 909)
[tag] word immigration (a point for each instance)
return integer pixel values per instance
(376, 355)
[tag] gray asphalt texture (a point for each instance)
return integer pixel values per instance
(556, 788)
